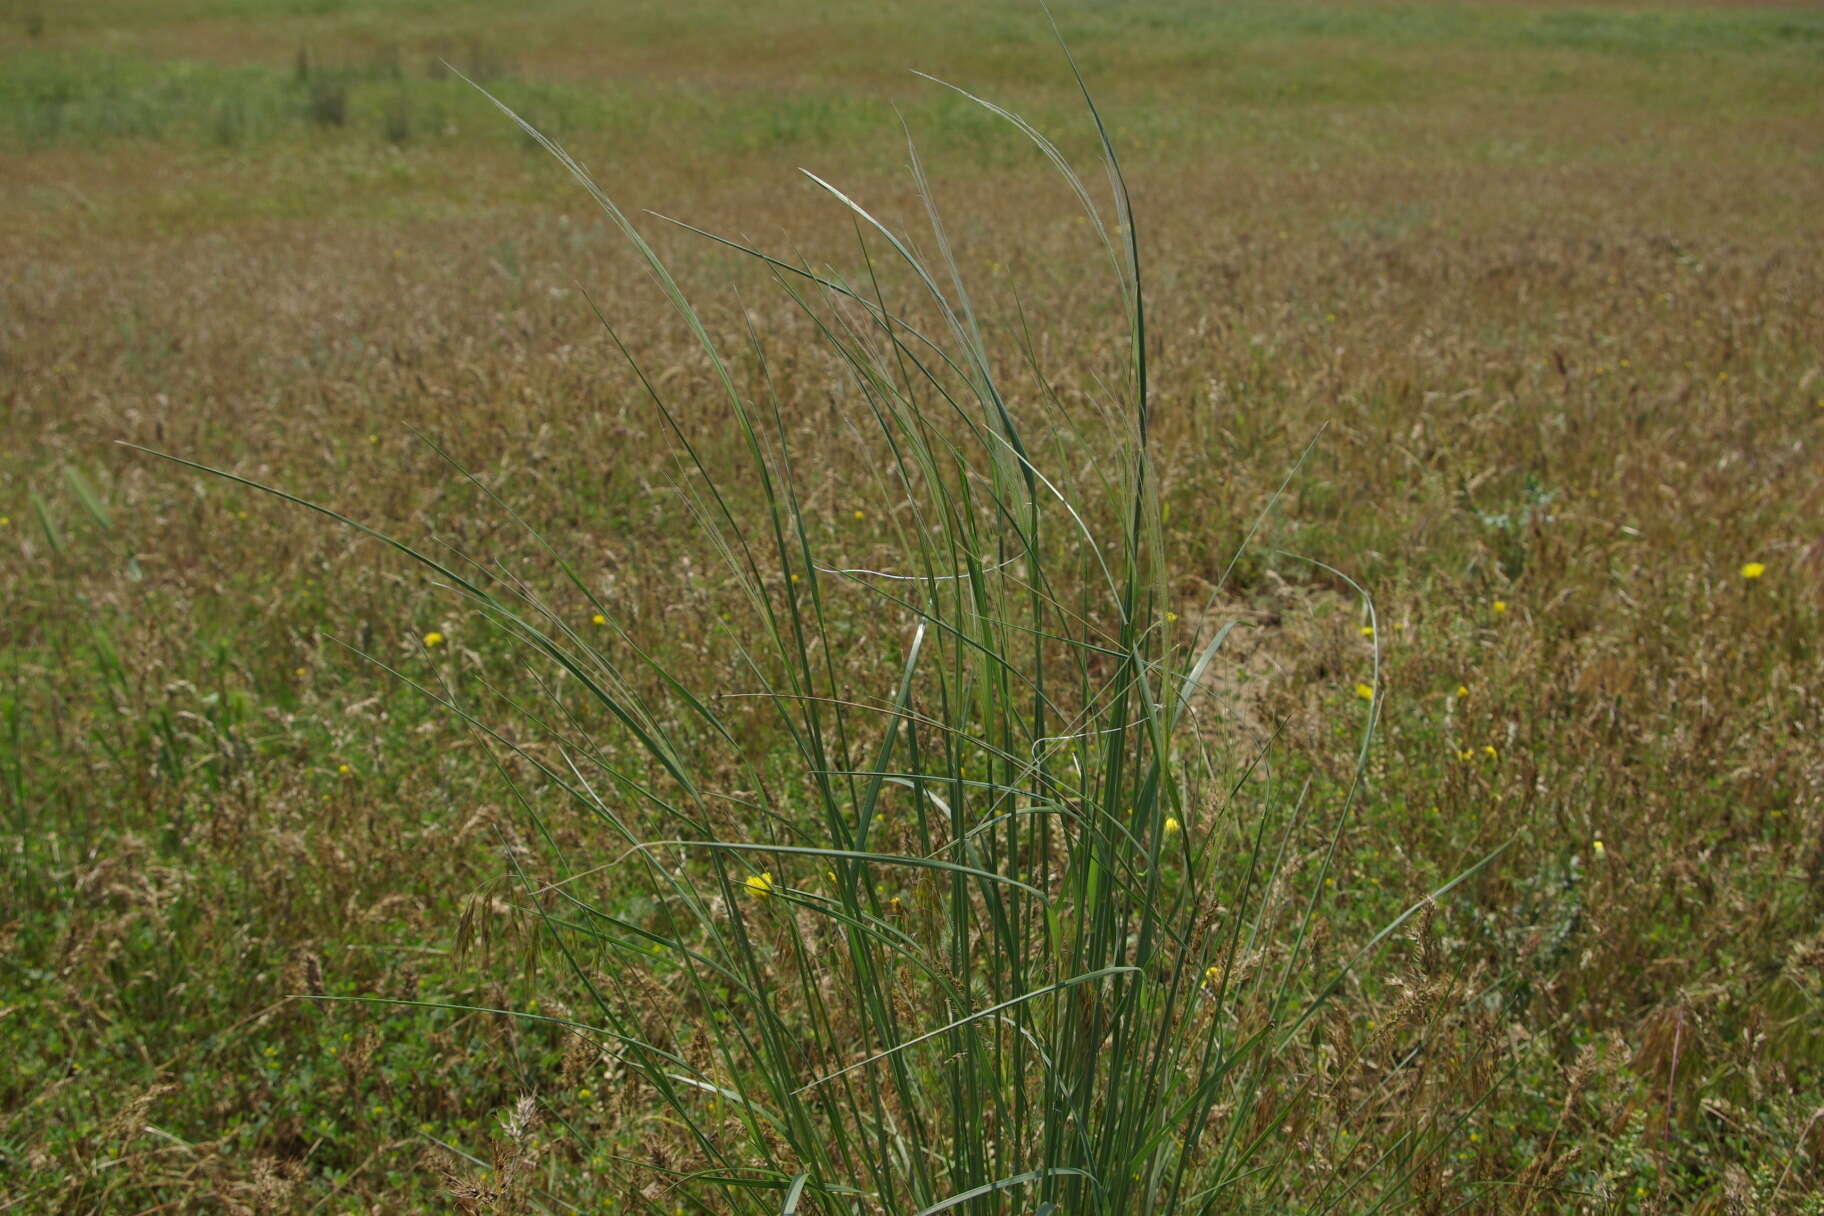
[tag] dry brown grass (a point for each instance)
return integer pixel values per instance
(1576, 296)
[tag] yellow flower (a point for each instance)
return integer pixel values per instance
(1170, 616)
(1465, 755)
(300, 672)
(1364, 692)
(1499, 606)
(344, 769)
(1367, 631)
(1172, 826)
(433, 638)
(860, 514)
(794, 578)
(1462, 690)
(1753, 570)
(1488, 749)
(1597, 848)
(599, 619)
(761, 885)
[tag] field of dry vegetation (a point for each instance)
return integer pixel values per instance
(1484, 347)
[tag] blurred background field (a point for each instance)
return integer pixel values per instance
(1548, 280)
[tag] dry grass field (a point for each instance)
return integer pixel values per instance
(1484, 397)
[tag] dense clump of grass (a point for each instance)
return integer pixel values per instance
(1011, 934)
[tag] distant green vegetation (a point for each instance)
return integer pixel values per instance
(1185, 72)
(1606, 29)
(89, 98)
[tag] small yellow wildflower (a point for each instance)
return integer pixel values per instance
(761, 885)
(301, 672)
(1172, 826)
(584, 1093)
(794, 578)
(1465, 755)
(599, 619)
(1753, 570)
(1170, 616)
(1365, 692)
(860, 514)
(6, 521)
(433, 638)
(1597, 848)
(344, 769)
(373, 439)
(1367, 631)
(1488, 749)
(1462, 690)
(1499, 606)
